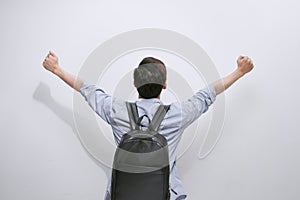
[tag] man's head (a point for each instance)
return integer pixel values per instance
(150, 77)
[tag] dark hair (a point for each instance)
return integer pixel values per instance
(149, 77)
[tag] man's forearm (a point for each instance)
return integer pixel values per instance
(245, 65)
(69, 78)
(224, 83)
(51, 64)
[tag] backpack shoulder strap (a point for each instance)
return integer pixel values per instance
(133, 115)
(158, 117)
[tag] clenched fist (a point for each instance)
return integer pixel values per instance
(245, 64)
(51, 62)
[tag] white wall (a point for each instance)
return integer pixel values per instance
(257, 156)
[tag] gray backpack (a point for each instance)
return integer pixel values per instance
(141, 161)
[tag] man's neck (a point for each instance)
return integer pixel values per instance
(156, 97)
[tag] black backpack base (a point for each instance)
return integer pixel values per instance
(149, 186)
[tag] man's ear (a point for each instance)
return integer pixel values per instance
(164, 86)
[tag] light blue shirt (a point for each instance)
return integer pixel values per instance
(179, 117)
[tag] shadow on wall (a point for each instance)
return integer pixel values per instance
(42, 94)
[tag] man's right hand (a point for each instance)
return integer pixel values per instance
(245, 64)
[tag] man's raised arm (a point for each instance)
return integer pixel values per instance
(51, 64)
(245, 65)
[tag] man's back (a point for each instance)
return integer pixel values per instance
(179, 116)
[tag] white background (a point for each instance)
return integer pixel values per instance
(257, 156)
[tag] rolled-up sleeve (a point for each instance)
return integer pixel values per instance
(198, 104)
(205, 98)
(98, 100)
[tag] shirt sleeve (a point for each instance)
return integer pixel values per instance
(198, 104)
(204, 98)
(98, 100)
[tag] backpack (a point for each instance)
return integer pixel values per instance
(141, 161)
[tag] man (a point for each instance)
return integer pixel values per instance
(150, 80)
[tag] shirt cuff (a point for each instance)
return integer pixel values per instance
(83, 87)
(211, 92)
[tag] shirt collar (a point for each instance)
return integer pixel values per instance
(152, 100)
